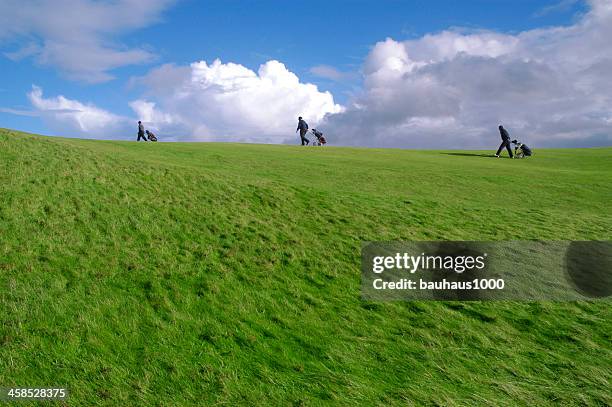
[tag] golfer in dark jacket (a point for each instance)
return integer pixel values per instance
(141, 132)
(505, 142)
(303, 128)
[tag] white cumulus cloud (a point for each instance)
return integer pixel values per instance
(71, 118)
(213, 102)
(228, 101)
(549, 86)
(76, 35)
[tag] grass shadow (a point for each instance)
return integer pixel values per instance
(473, 155)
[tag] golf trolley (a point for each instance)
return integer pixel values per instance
(320, 138)
(151, 136)
(521, 150)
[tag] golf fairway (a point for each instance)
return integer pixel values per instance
(169, 274)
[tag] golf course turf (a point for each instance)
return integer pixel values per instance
(170, 274)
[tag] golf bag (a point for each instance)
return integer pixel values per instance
(151, 136)
(320, 138)
(521, 150)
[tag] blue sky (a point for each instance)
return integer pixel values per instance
(338, 35)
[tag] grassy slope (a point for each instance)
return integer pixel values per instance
(171, 274)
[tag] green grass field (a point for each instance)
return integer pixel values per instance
(170, 274)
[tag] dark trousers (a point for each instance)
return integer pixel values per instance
(505, 143)
(303, 132)
(141, 135)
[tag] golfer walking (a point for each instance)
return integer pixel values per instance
(303, 128)
(141, 132)
(505, 142)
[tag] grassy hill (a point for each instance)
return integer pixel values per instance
(183, 274)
